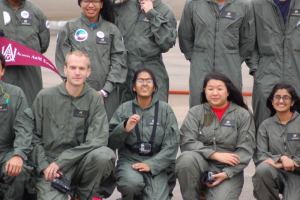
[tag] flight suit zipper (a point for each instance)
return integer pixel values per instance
(284, 139)
(217, 29)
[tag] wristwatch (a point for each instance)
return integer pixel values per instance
(105, 94)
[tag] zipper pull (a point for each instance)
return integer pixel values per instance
(215, 146)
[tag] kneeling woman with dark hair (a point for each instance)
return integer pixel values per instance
(278, 147)
(146, 133)
(218, 136)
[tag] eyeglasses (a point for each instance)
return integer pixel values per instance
(141, 81)
(87, 2)
(284, 98)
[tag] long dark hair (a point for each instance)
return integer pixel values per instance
(2, 59)
(235, 95)
(291, 90)
(144, 70)
(107, 12)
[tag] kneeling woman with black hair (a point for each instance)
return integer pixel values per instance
(278, 147)
(146, 133)
(218, 135)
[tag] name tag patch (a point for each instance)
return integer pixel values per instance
(293, 137)
(104, 40)
(80, 113)
(228, 15)
(295, 12)
(150, 122)
(3, 108)
(25, 22)
(143, 18)
(227, 122)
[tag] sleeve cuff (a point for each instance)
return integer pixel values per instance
(150, 165)
(228, 172)
(109, 87)
(276, 158)
(252, 69)
(18, 152)
(207, 153)
(151, 14)
(189, 55)
(122, 127)
(42, 166)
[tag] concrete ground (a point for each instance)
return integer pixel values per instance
(178, 69)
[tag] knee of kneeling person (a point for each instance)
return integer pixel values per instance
(103, 155)
(131, 185)
(262, 169)
(187, 158)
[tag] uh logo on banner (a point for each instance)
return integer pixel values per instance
(17, 54)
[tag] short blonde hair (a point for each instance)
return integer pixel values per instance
(79, 54)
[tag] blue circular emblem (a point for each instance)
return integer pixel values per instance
(81, 35)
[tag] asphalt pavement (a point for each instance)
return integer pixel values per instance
(178, 70)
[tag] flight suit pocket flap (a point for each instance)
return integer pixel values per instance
(29, 113)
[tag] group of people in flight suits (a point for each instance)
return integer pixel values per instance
(114, 94)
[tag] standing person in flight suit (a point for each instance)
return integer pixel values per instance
(146, 133)
(218, 135)
(16, 121)
(95, 34)
(71, 134)
(276, 56)
(278, 153)
(148, 28)
(216, 36)
(25, 23)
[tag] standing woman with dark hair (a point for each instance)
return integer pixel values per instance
(146, 133)
(95, 34)
(218, 135)
(278, 153)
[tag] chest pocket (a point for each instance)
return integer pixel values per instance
(5, 121)
(232, 31)
(51, 127)
(79, 121)
(266, 29)
(294, 22)
(201, 30)
(293, 143)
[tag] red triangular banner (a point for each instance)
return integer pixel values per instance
(17, 54)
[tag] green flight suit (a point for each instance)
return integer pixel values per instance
(216, 40)
(276, 57)
(35, 36)
(107, 58)
(73, 133)
(201, 135)
(146, 37)
(16, 127)
(273, 141)
(146, 185)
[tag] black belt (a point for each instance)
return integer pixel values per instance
(135, 148)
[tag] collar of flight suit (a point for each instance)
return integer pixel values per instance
(227, 1)
(277, 120)
(291, 5)
(154, 100)
(231, 107)
(63, 90)
(22, 5)
(3, 86)
(86, 20)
